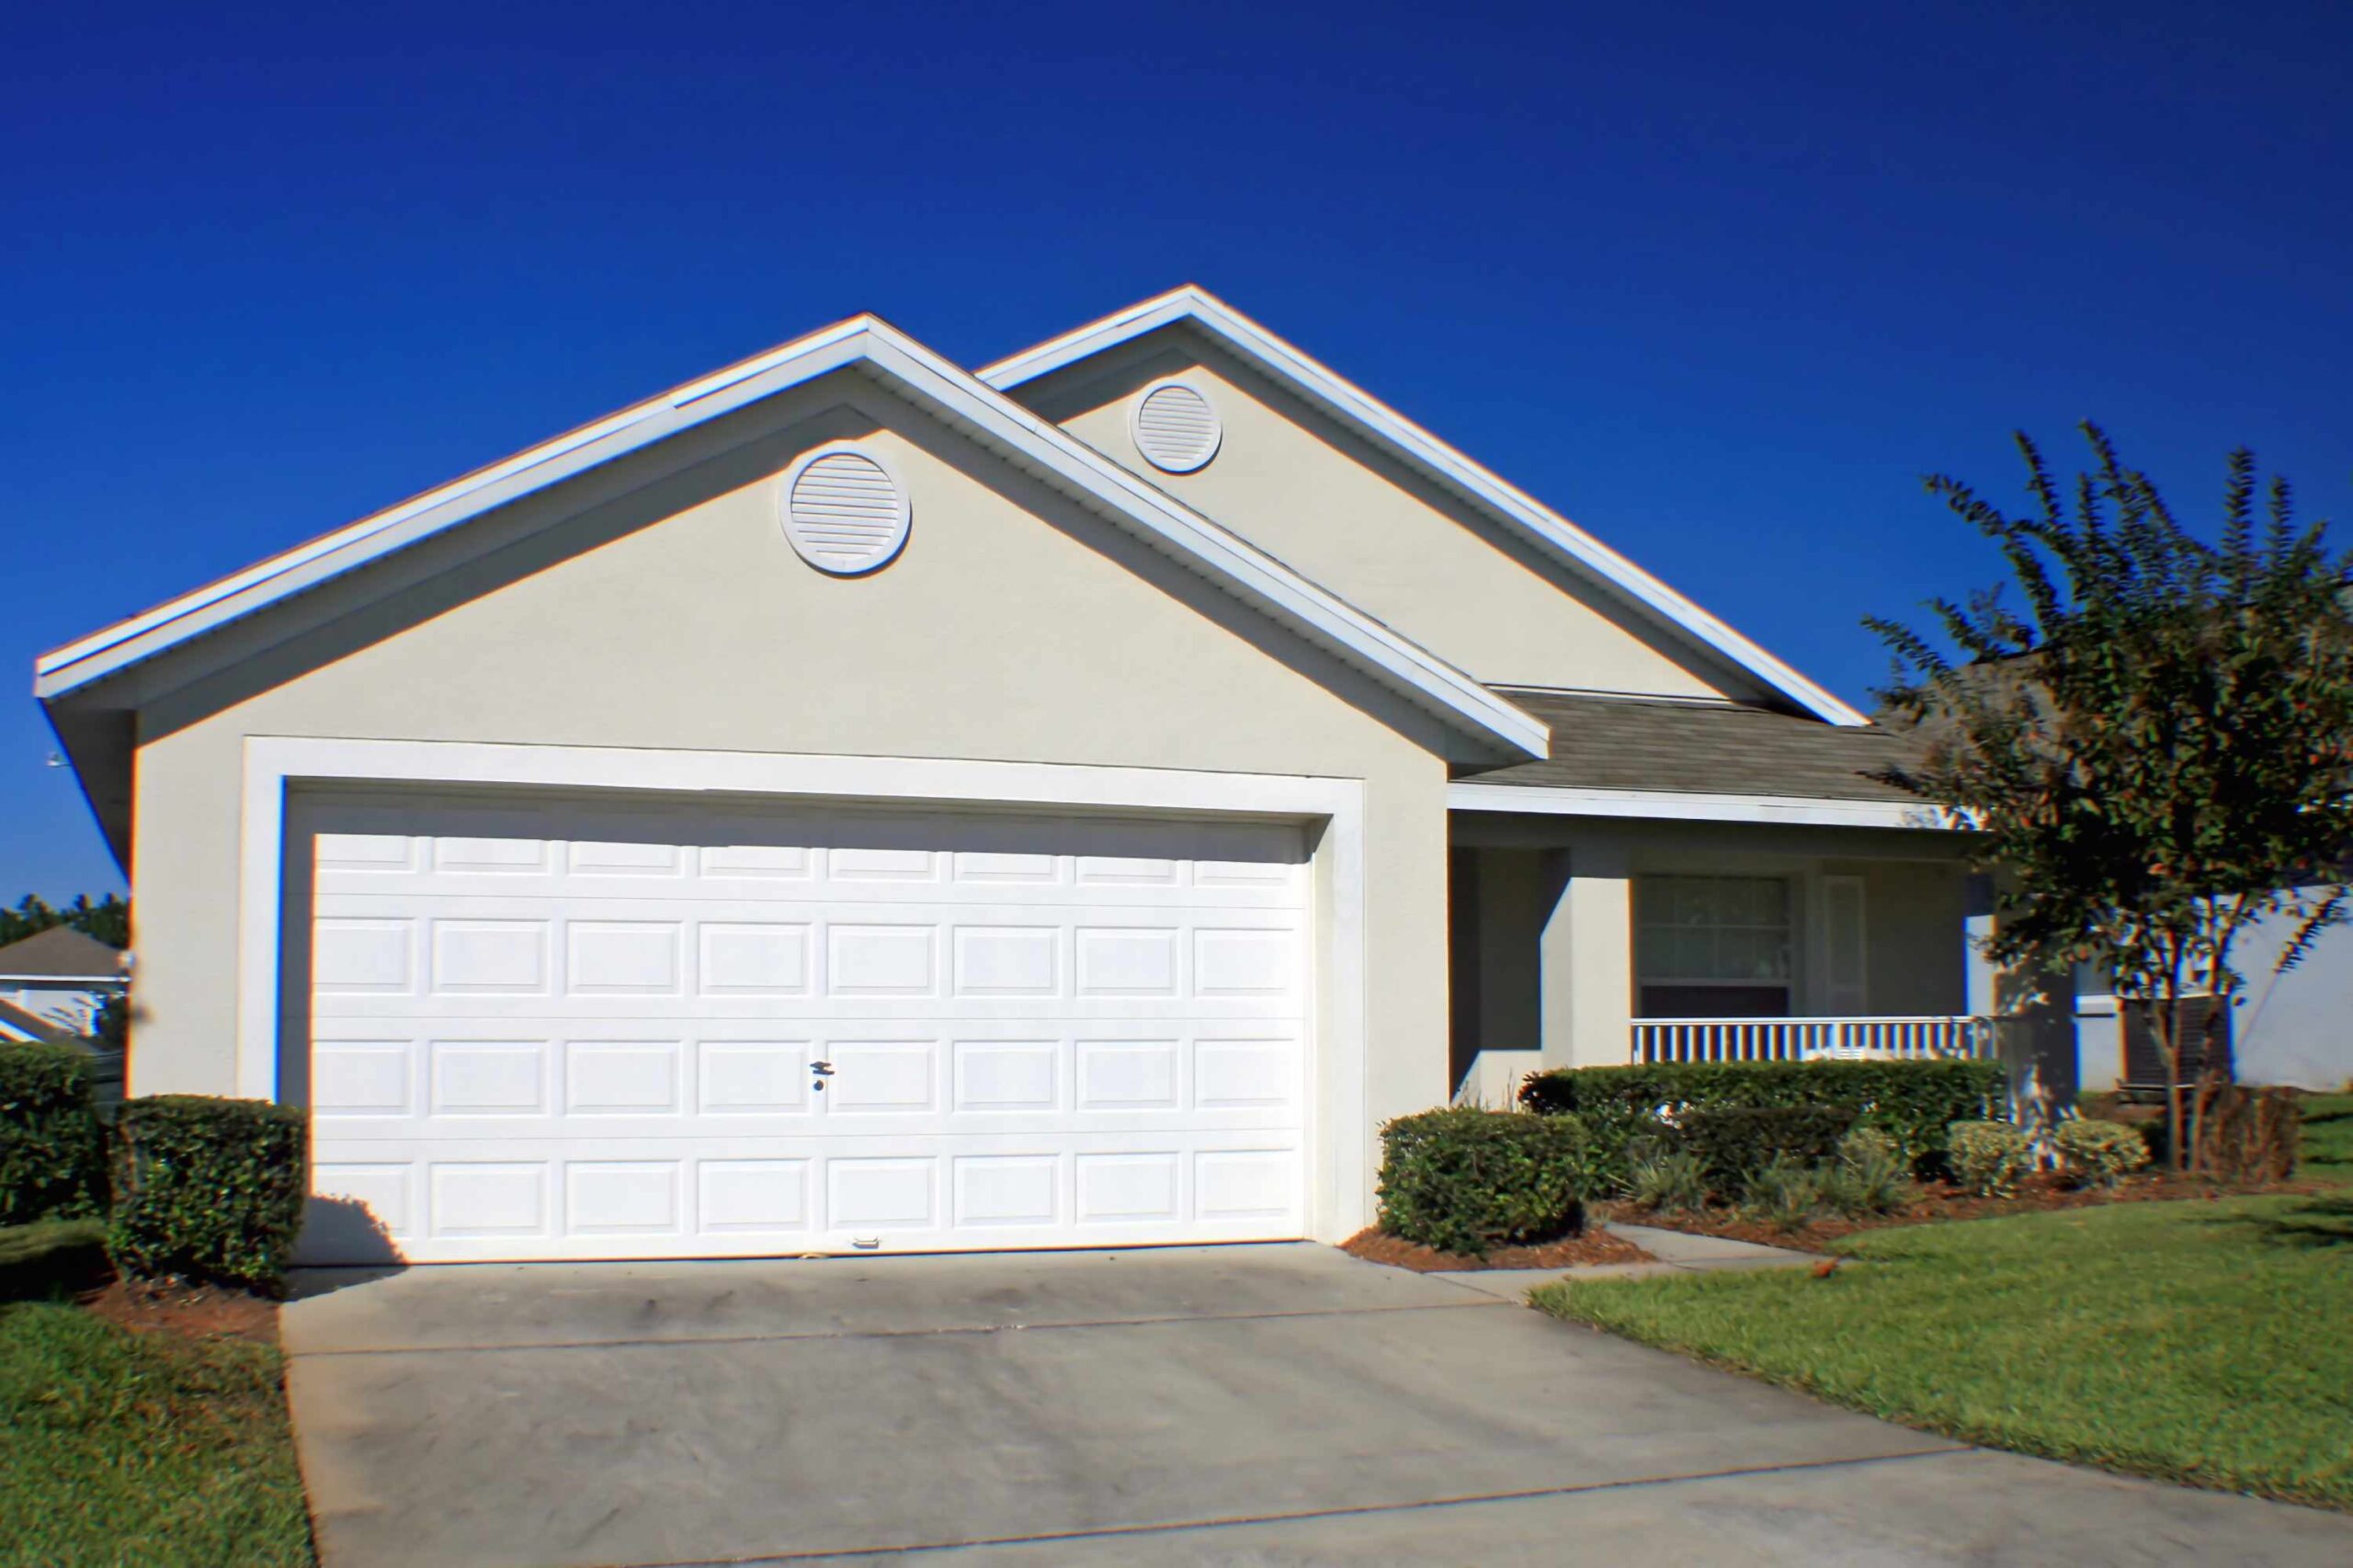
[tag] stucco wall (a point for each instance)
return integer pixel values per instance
(1294, 483)
(676, 616)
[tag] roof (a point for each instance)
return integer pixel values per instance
(62, 954)
(1495, 728)
(1391, 432)
(1627, 744)
(19, 1025)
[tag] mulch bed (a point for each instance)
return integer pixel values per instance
(1937, 1200)
(195, 1312)
(1595, 1245)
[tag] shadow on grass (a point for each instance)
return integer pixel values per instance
(2324, 1221)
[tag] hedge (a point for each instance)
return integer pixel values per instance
(52, 1146)
(1733, 1143)
(1912, 1102)
(1466, 1181)
(208, 1189)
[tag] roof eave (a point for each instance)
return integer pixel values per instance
(1392, 432)
(1496, 728)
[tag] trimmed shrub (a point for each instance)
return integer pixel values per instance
(2099, 1153)
(1732, 1142)
(1466, 1181)
(208, 1189)
(52, 1146)
(1912, 1102)
(1989, 1158)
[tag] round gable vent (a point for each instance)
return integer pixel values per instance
(1176, 428)
(844, 511)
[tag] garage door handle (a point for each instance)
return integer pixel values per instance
(823, 1069)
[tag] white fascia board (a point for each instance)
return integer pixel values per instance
(142, 636)
(1798, 811)
(1243, 568)
(869, 343)
(1392, 431)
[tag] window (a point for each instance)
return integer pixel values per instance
(1711, 946)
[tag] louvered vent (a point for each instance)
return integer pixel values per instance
(844, 511)
(1176, 428)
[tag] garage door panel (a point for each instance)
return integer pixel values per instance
(569, 1034)
(671, 1199)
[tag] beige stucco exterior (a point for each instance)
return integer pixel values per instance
(1327, 503)
(676, 616)
(655, 606)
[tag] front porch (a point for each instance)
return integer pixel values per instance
(1585, 941)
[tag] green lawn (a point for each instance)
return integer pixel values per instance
(147, 1449)
(2202, 1342)
(2328, 1138)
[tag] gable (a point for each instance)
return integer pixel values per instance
(1341, 513)
(226, 634)
(1014, 625)
(1581, 566)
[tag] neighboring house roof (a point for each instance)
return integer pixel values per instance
(17, 1024)
(1617, 751)
(62, 954)
(1393, 432)
(1496, 729)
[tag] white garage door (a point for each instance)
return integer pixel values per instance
(586, 1032)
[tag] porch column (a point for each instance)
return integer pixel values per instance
(1585, 954)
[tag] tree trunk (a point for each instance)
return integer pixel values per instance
(2179, 1148)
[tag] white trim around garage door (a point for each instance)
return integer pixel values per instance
(1338, 1129)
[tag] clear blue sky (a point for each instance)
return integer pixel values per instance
(1719, 282)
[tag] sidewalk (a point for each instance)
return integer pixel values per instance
(1675, 1252)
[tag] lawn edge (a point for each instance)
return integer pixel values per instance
(2147, 1468)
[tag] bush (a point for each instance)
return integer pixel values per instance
(1912, 1102)
(52, 1147)
(1668, 1181)
(1731, 1143)
(1468, 1181)
(1783, 1192)
(2245, 1134)
(1989, 1158)
(1869, 1177)
(2100, 1153)
(208, 1189)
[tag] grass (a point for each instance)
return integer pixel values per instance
(2199, 1342)
(148, 1449)
(2327, 1152)
(39, 1260)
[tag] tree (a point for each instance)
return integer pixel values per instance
(2156, 747)
(107, 920)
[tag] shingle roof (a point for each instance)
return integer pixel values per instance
(17, 1022)
(63, 952)
(1611, 743)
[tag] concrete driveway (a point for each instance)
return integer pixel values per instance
(1264, 1404)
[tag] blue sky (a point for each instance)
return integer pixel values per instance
(1719, 282)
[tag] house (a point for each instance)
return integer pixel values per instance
(2289, 1026)
(851, 803)
(60, 976)
(53, 986)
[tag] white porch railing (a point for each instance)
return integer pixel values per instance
(1810, 1040)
